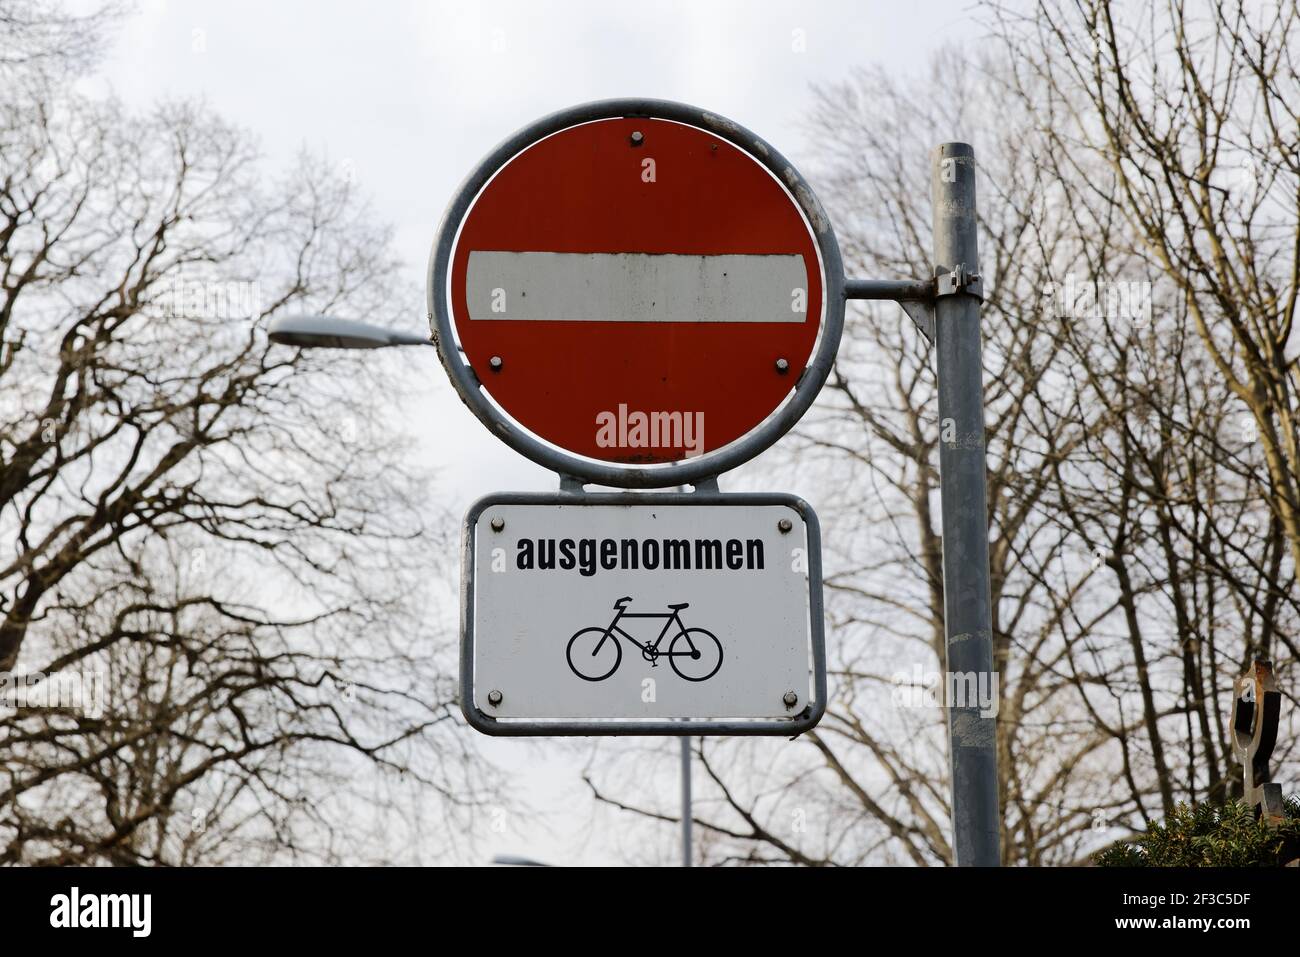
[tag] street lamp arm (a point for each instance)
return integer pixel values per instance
(327, 332)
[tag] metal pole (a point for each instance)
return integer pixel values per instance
(686, 786)
(686, 801)
(896, 289)
(967, 608)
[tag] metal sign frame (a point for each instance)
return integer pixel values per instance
(689, 471)
(797, 724)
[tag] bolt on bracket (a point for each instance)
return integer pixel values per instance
(958, 280)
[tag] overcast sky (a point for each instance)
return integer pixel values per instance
(412, 94)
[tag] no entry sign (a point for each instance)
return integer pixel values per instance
(636, 293)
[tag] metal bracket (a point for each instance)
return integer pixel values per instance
(922, 316)
(916, 296)
(571, 484)
(959, 281)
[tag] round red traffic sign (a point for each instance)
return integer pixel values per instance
(638, 290)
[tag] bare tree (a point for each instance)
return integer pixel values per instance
(1141, 550)
(1191, 111)
(46, 37)
(213, 624)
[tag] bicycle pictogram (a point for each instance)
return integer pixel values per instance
(693, 653)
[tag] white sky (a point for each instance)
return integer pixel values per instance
(413, 94)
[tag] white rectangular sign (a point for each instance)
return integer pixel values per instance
(635, 287)
(653, 613)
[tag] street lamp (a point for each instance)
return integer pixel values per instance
(326, 332)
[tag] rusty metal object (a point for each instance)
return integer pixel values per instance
(1256, 709)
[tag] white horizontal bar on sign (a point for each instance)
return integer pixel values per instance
(636, 287)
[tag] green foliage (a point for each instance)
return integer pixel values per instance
(1211, 835)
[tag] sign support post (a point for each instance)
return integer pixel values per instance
(968, 627)
(686, 802)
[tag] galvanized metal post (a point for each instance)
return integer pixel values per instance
(686, 776)
(967, 608)
(686, 801)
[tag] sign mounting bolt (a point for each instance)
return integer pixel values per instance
(785, 525)
(495, 363)
(782, 366)
(637, 138)
(494, 698)
(498, 523)
(790, 698)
